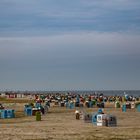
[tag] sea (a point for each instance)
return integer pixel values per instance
(135, 93)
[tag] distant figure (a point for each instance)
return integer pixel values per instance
(100, 111)
(126, 96)
(77, 113)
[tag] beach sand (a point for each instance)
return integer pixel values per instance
(60, 123)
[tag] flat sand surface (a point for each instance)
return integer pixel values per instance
(60, 123)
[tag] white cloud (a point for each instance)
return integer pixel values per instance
(92, 43)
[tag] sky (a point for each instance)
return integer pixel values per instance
(69, 45)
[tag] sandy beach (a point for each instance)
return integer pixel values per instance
(60, 123)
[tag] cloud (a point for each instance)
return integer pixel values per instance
(77, 60)
(60, 43)
(45, 16)
(77, 44)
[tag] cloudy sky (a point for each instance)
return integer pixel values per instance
(69, 44)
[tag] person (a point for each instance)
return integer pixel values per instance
(77, 113)
(100, 111)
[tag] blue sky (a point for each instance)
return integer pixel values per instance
(69, 44)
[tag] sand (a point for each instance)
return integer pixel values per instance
(60, 124)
